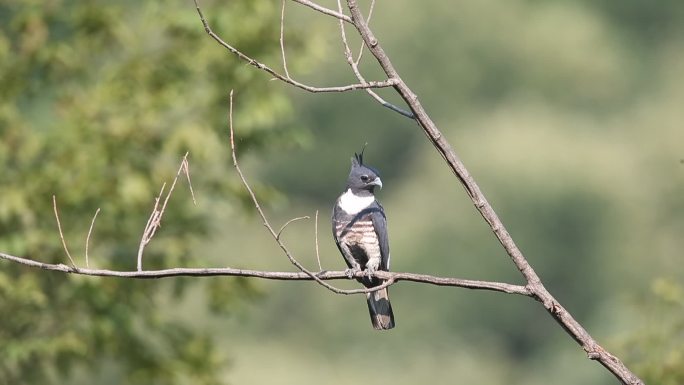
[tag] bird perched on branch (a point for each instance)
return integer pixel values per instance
(360, 230)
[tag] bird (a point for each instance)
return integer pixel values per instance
(359, 227)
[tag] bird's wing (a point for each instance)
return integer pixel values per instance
(343, 250)
(380, 225)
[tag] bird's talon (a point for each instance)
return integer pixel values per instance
(350, 273)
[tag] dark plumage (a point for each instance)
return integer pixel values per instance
(360, 231)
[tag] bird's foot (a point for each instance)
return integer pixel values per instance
(371, 267)
(350, 273)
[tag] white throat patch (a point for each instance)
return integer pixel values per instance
(353, 204)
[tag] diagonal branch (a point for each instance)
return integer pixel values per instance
(561, 315)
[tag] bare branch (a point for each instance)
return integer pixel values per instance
(370, 15)
(186, 169)
(263, 67)
(282, 38)
(318, 255)
(276, 275)
(324, 10)
(355, 68)
(150, 227)
(90, 230)
(61, 235)
(154, 221)
(173, 185)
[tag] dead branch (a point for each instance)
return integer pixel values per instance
(90, 231)
(324, 10)
(287, 223)
(286, 79)
(154, 221)
(318, 255)
(274, 275)
(534, 283)
(282, 38)
(355, 68)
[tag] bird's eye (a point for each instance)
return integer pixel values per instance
(364, 178)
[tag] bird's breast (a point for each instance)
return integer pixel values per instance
(359, 234)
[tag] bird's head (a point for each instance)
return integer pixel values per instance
(362, 178)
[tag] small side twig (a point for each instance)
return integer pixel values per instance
(282, 38)
(318, 255)
(186, 169)
(154, 221)
(150, 227)
(288, 222)
(325, 11)
(61, 234)
(355, 68)
(370, 15)
(90, 230)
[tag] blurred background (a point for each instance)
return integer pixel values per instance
(568, 114)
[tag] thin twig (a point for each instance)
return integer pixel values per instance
(186, 167)
(61, 235)
(325, 11)
(282, 38)
(150, 227)
(173, 185)
(288, 222)
(370, 15)
(318, 255)
(355, 68)
(90, 230)
(154, 221)
(264, 67)
(276, 275)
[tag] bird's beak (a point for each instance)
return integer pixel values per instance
(377, 182)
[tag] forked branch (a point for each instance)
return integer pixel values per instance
(286, 78)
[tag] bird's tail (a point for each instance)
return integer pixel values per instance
(380, 309)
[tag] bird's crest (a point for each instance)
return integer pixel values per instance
(358, 157)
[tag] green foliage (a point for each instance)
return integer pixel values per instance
(657, 348)
(99, 101)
